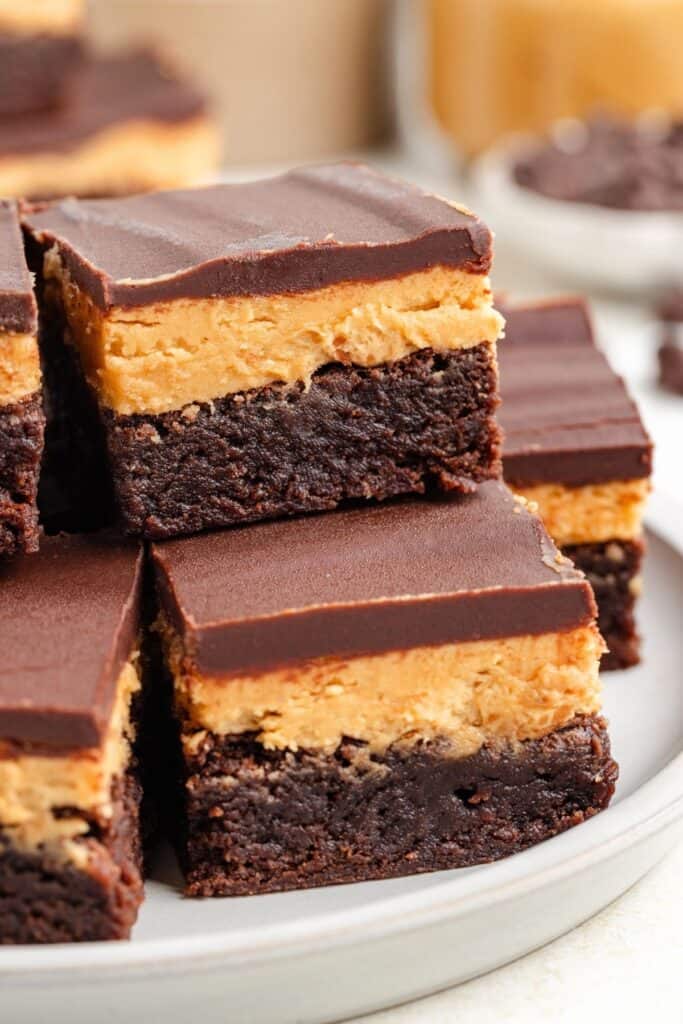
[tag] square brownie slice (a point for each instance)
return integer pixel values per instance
(376, 692)
(280, 346)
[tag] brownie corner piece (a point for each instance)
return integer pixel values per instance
(352, 358)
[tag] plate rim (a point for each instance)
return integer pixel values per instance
(620, 827)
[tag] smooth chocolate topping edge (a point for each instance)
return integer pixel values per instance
(366, 581)
(313, 227)
(367, 629)
(289, 271)
(580, 467)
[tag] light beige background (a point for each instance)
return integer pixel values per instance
(291, 80)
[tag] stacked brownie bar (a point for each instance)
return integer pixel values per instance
(375, 660)
(576, 446)
(379, 691)
(70, 863)
(40, 49)
(278, 347)
(21, 408)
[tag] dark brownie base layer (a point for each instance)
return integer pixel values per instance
(613, 569)
(42, 900)
(36, 71)
(294, 820)
(21, 446)
(425, 420)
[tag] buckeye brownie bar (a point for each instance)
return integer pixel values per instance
(21, 409)
(575, 445)
(40, 51)
(70, 865)
(131, 123)
(277, 347)
(381, 691)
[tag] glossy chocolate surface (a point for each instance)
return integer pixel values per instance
(313, 227)
(393, 576)
(566, 416)
(69, 619)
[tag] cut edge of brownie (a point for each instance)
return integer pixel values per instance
(425, 421)
(46, 900)
(299, 819)
(613, 570)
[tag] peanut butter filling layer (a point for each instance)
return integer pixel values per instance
(590, 514)
(19, 367)
(154, 359)
(488, 691)
(135, 156)
(55, 17)
(33, 786)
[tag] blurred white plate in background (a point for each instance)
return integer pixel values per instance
(632, 252)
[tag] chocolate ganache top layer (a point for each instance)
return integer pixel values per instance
(108, 90)
(17, 302)
(566, 416)
(414, 572)
(69, 618)
(312, 227)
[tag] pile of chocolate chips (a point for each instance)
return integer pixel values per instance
(620, 164)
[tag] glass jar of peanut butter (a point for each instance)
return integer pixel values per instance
(496, 66)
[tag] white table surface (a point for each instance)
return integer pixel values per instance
(627, 963)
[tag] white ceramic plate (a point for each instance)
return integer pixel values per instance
(331, 953)
(632, 252)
